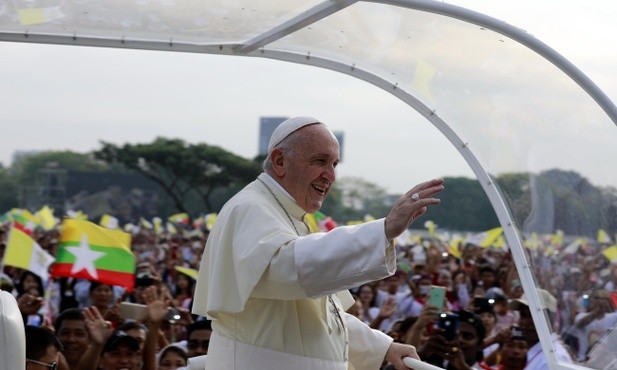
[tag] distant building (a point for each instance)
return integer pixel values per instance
(340, 136)
(267, 125)
(19, 154)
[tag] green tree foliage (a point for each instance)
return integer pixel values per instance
(515, 189)
(352, 198)
(8, 191)
(562, 200)
(40, 178)
(26, 168)
(181, 168)
(200, 178)
(464, 206)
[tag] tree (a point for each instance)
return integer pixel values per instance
(181, 168)
(8, 189)
(362, 197)
(41, 177)
(26, 168)
(464, 206)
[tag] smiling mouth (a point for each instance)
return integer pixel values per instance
(320, 189)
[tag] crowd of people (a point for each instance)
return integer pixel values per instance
(291, 297)
(91, 327)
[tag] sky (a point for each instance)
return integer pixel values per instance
(71, 98)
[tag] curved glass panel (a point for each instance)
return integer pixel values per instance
(546, 142)
(197, 22)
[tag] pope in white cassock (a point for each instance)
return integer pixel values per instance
(276, 294)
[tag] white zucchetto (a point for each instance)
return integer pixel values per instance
(287, 127)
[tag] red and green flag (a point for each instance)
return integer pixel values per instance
(180, 218)
(91, 252)
(24, 218)
(319, 222)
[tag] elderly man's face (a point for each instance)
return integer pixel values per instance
(308, 173)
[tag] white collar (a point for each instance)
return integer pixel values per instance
(273, 182)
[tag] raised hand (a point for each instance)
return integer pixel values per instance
(113, 314)
(29, 304)
(410, 206)
(98, 328)
(388, 308)
(157, 303)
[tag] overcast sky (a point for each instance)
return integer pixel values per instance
(61, 97)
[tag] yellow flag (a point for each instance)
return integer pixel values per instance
(533, 242)
(610, 253)
(453, 248)
(77, 215)
(603, 237)
(368, 218)
(46, 218)
(145, 223)
(108, 221)
(157, 223)
(192, 273)
(486, 238)
(430, 226)
(23, 252)
(171, 228)
(210, 219)
(500, 242)
(311, 222)
(180, 218)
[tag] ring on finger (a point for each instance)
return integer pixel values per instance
(415, 196)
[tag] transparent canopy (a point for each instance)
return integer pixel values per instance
(507, 102)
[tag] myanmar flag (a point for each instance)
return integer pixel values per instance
(180, 218)
(319, 222)
(88, 251)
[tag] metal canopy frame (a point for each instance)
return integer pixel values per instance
(258, 46)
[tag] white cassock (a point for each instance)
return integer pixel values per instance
(277, 300)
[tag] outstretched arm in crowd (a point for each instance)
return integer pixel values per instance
(387, 309)
(427, 317)
(158, 307)
(29, 304)
(99, 330)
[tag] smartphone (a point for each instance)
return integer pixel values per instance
(481, 304)
(448, 322)
(437, 296)
(136, 311)
(133, 311)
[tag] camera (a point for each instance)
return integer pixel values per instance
(448, 323)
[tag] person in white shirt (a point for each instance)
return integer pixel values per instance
(536, 358)
(276, 294)
(597, 321)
